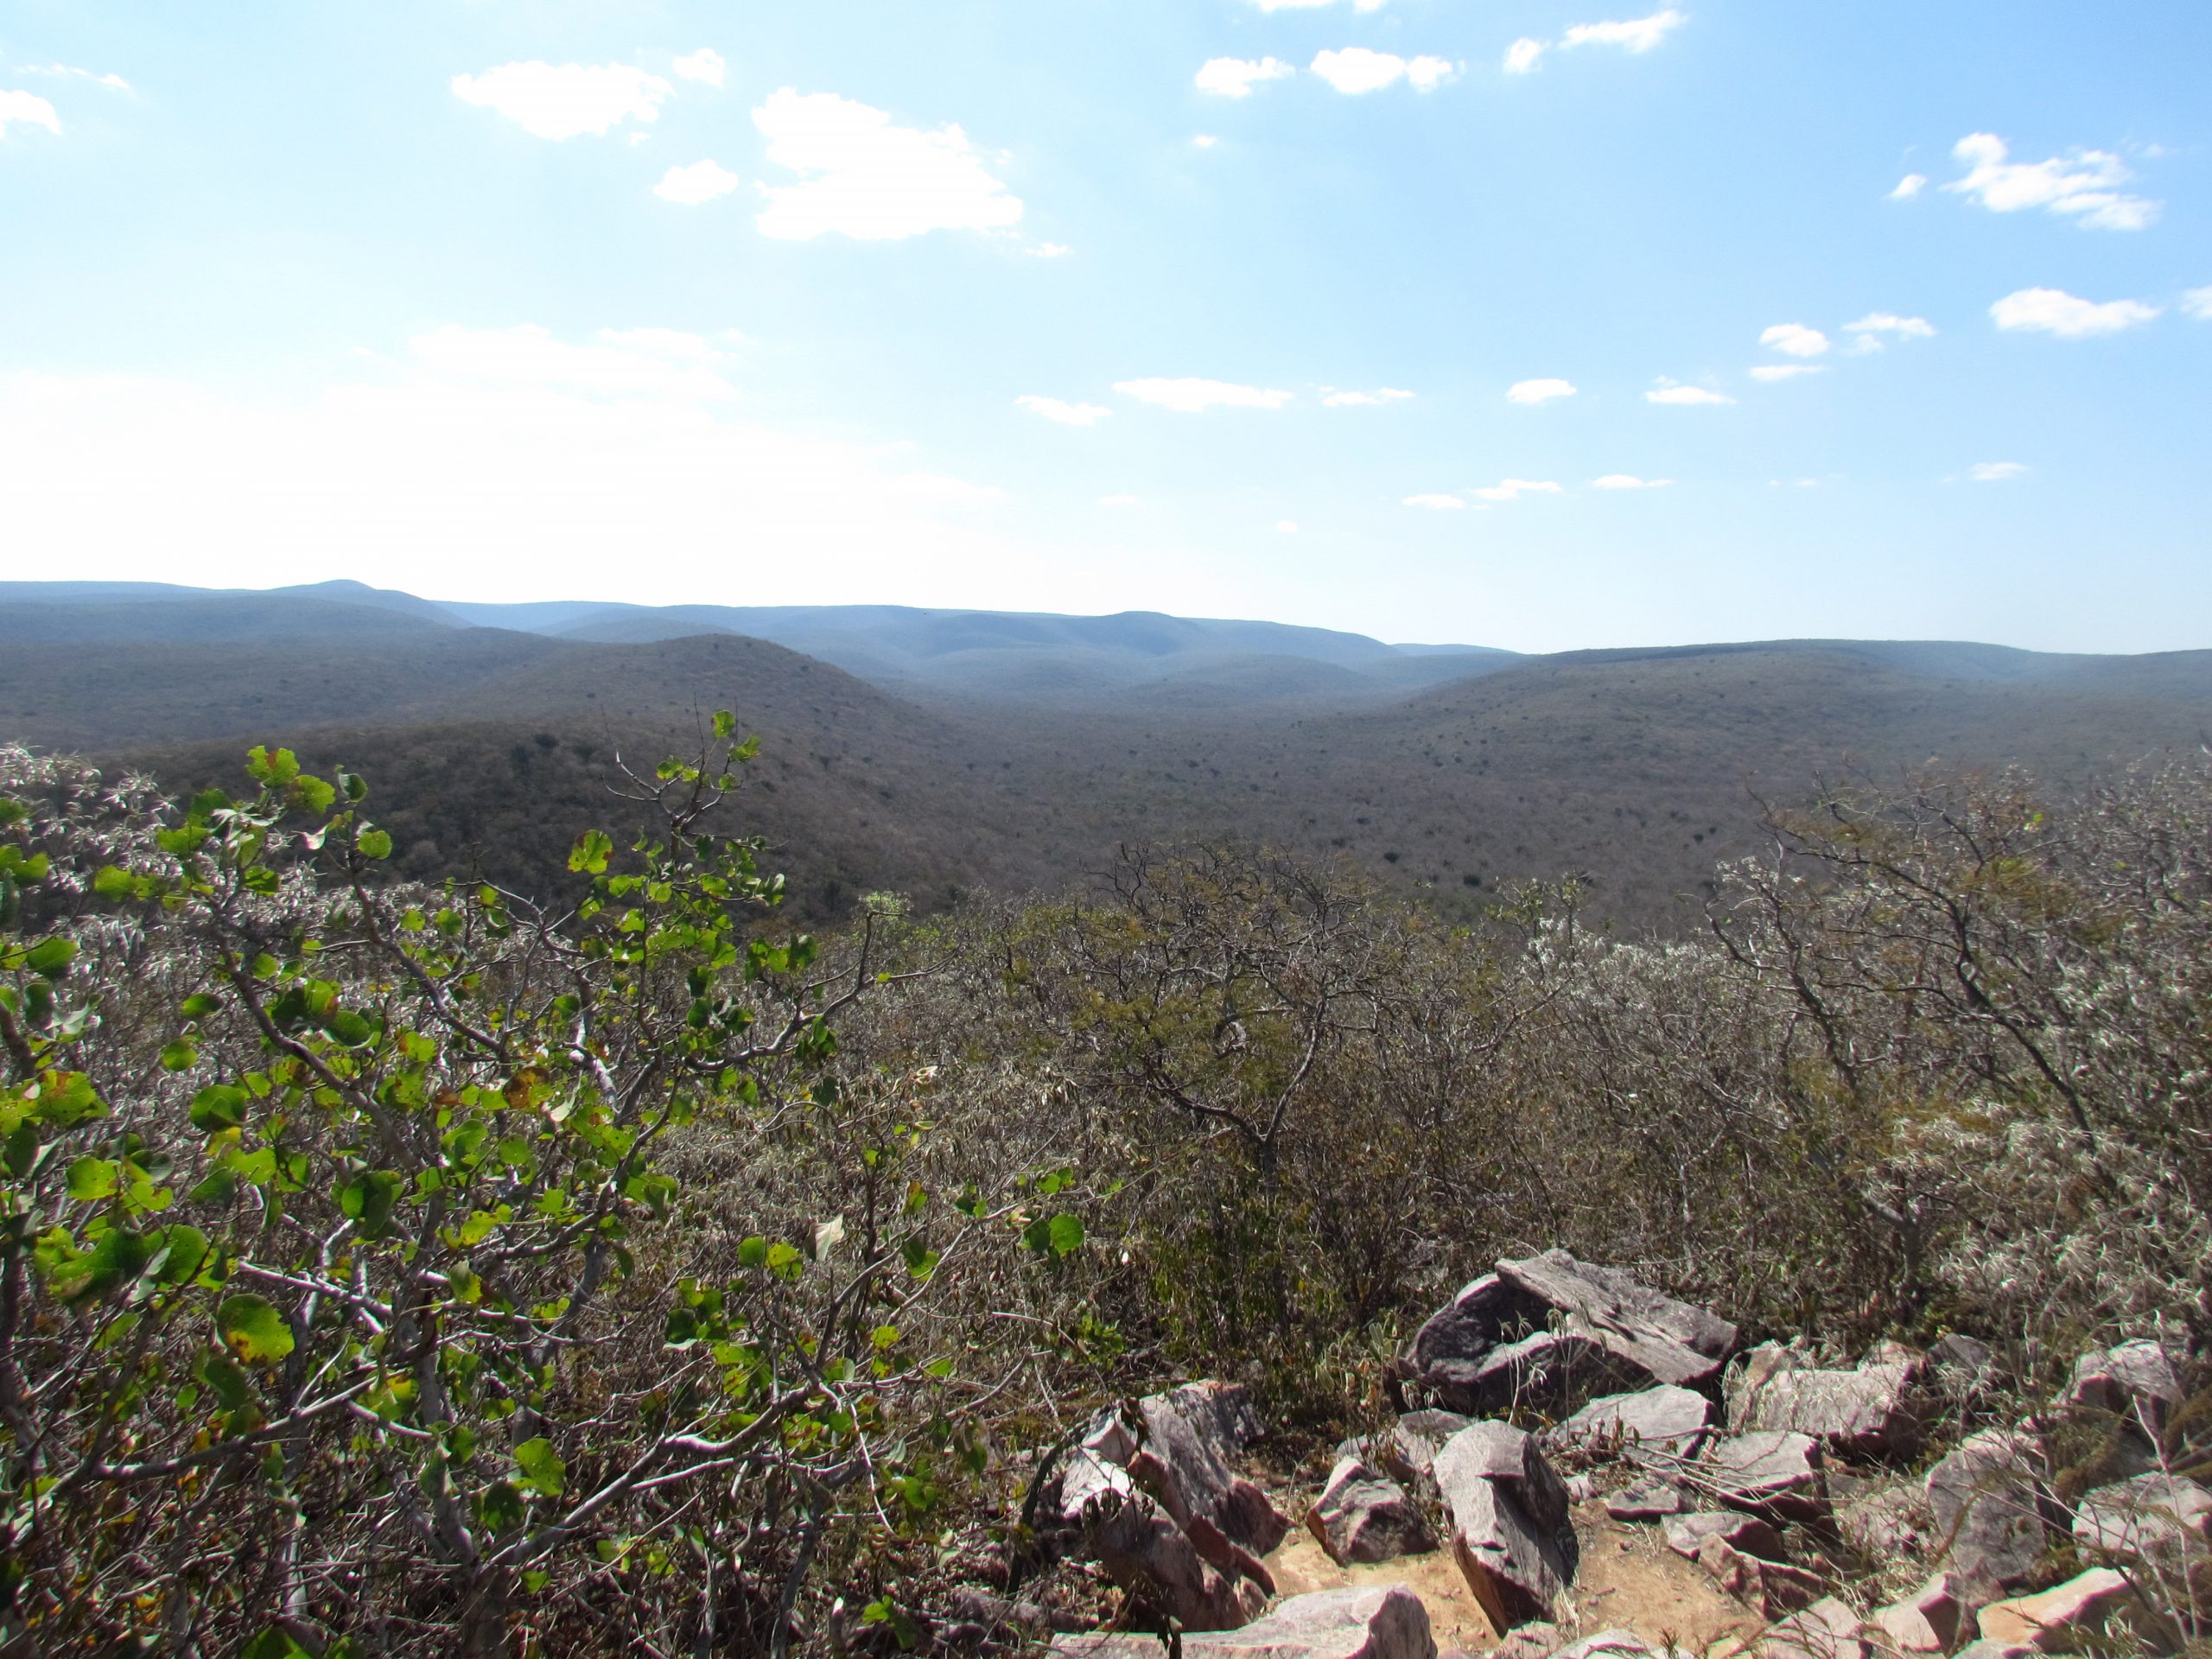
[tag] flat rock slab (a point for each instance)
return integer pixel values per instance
(1649, 1499)
(1989, 1500)
(1188, 1434)
(1610, 1644)
(2164, 1519)
(1669, 1341)
(1686, 1534)
(1378, 1622)
(1770, 1473)
(1773, 1588)
(1926, 1622)
(1663, 1425)
(1510, 1458)
(2054, 1620)
(1829, 1629)
(1873, 1410)
(1364, 1516)
(1444, 1358)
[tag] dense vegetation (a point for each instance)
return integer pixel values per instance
(426, 1270)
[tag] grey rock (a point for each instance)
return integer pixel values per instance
(1146, 1552)
(1772, 1587)
(1444, 1360)
(1509, 1531)
(1610, 1644)
(1534, 1641)
(1686, 1534)
(1364, 1516)
(2055, 1620)
(1927, 1621)
(1410, 1447)
(1771, 1473)
(1186, 1432)
(1829, 1629)
(1987, 1650)
(1875, 1409)
(1884, 1523)
(1989, 1499)
(1663, 1425)
(2163, 1519)
(1670, 1341)
(2134, 1382)
(1379, 1622)
(1511, 1458)
(1552, 1372)
(1649, 1499)
(1220, 1413)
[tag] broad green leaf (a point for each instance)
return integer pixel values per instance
(368, 1198)
(374, 843)
(218, 1106)
(1065, 1234)
(179, 1056)
(50, 959)
(541, 1467)
(92, 1180)
(591, 852)
(253, 1327)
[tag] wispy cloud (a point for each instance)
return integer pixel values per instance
(701, 181)
(1049, 251)
(2054, 311)
(1769, 372)
(1539, 391)
(1190, 396)
(112, 82)
(1067, 414)
(1436, 501)
(1510, 489)
(1888, 322)
(1332, 398)
(863, 176)
(1355, 69)
(566, 100)
(1629, 482)
(1637, 34)
(2083, 185)
(1522, 56)
(1313, 5)
(1235, 77)
(705, 66)
(2197, 303)
(1669, 392)
(1909, 186)
(1996, 472)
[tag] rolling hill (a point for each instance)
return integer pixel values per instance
(1021, 750)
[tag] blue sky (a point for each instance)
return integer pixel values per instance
(1247, 307)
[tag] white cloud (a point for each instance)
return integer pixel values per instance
(1539, 391)
(2197, 303)
(1333, 398)
(2083, 184)
(701, 181)
(113, 83)
(1067, 414)
(1996, 472)
(705, 66)
(1629, 482)
(1235, 77)
(30, 110)
(663, 363)
(1507, 489)
(1887, 322)
(1769, 372)
(1310, 5)
(1287, 526)
(1188, 397)
(1521, 57)
(1909, 186)
(480, 463)
(674, 343)
(1202, 140)
(1049, 251)
(1637, 35)
(862, 177)
(1355, 69)
(1795, 339)
(2054, 311)
(1668, 392)
(1120, 501)
(1436, 502)
(565, 101)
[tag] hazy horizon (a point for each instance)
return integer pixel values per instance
(1553, 326)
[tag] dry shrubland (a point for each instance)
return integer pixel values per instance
(647, 1278)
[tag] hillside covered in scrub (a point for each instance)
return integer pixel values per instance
(413, 1268)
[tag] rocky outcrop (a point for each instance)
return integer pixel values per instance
(1510, 1534)
(1364, 1516)
(2133, 1382)
(1381, 1622)
(1876, 1409)
(1827, 1630)
(1686, 1535)
(1989, 1499)
(1773, 1588)
(2165, 1520)
(1774, 1474)
(1551, 1333)
(1405, 1453)
(1662, 1426)
(1610, 1644)
(1187, 1437)
(1649, 1499)
(2055, 1620)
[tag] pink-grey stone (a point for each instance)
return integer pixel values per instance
(1364, 1516)
(1770, 1473)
